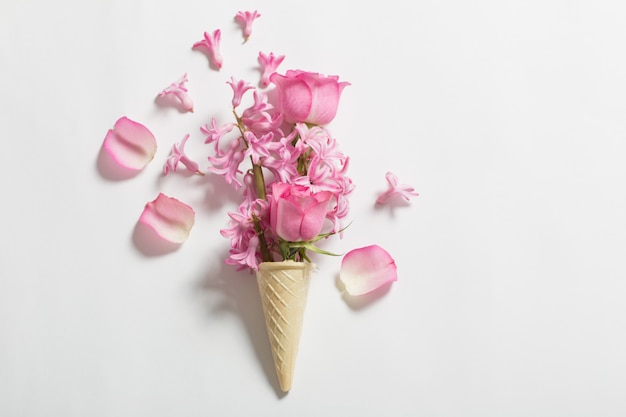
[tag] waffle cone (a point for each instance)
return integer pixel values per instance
(283, 287)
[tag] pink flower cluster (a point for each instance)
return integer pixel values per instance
(279, 154)
(296, 190)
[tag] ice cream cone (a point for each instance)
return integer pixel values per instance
(283, 287)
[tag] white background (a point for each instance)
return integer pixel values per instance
(507, 117)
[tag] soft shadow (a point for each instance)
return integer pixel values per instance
(181, 171)
(272, 97)
(218, 192)
(149, 243)
(205, 51)
(392, 205)
(359, 302)
(260, 71)
(242, 299)
(110, 169)
(169, 101)
(241, 26)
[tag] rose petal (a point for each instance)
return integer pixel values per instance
(365, 269)
(170, 218)
(295, 98)
(130, 144)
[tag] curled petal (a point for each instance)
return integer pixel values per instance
(170, 218)
(365, 269)
(130, 144)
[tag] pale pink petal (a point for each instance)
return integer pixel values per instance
(130, 144)
(170, 218)
(365, 269)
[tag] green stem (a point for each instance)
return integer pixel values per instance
(259, 181)
(265, 252)
(259, 185)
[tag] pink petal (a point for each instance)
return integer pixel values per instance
(169, 218)
(326, 94)
(365, 269)
(295, 97)
(288, 226)
(130, 144)
(313, 221)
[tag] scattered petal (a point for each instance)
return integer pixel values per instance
(130, 144)
(170, 218)
(212, 44)
(269, 64)
(404, 191)
(179, 90)
(365, 269)
(177, 155)
(246, 19)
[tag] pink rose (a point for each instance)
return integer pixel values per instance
(307, 96)
(296, 213)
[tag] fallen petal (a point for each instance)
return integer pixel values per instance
(365, 269)
(130, 144)
(170, 218)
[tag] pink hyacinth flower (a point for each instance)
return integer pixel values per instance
(179, 90)
(239, 89)
(269, 65)
(130, 144)
(365, 269)
(170, 218)
(214, 133)
(211, 43)
(257, 146)
(227, 163)
(178, 155)
(404, 191)
(246, 19)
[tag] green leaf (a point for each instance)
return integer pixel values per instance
(310, 246)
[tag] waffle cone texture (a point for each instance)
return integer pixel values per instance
(283, 287)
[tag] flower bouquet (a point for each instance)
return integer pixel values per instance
(294, 194)
(291, 175)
